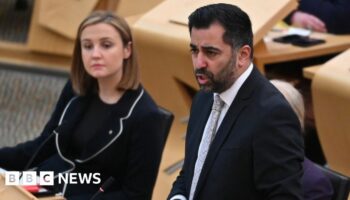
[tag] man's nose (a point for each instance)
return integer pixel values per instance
(200, 60)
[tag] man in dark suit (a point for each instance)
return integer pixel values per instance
(249, 147)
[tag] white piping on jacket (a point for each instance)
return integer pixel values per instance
(102, 149)
(119, 133)
(65, 159)
(65, 110)
(57, 145)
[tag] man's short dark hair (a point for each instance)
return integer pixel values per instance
(237, 25)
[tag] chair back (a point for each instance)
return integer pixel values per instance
(340, 183)
(165, 124)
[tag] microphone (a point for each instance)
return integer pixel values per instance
(104, 187)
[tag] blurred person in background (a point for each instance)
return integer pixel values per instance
(315, 185)
(330, 16)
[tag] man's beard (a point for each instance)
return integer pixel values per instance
(220, 82)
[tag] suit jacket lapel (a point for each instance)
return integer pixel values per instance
(196, 137)
(241, 100)
(120, 110)
(75, 113)
(71, 119)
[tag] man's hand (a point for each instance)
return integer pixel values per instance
(308, 21)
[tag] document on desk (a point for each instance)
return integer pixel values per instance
(298, 31)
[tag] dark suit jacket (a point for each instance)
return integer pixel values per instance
(334, 13)
(257, 152)
(130, 154)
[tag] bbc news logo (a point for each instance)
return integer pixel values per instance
(46, 178)
(29, 178)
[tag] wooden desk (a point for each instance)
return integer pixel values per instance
(340, 60)
(269, 52)
(18, 193)
(309, 72)
(331, 95)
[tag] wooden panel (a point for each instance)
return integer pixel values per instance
(19, 54)
(173, 152)
(128, 8)
(64, 16)
(107, 5)
(331, 97)
(309, 72)
(43, 40)
(264, 15)
(52, 198)
(18, 193)
(13, 192)
(54, 23)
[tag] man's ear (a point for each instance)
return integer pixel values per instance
(243, 56)
(127, 50)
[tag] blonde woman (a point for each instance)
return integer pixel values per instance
(315, 184)
(104, 122)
